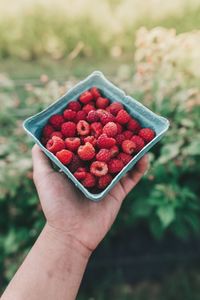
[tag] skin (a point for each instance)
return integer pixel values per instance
(74, 227)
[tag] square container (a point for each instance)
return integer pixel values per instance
(34, 125)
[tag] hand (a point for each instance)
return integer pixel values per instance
(69, 212)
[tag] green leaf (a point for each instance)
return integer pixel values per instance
(193, 148)
(166, 215)
(170, 151)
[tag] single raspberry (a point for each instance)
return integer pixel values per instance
(86, 152)
(47, 131)
(74, 105)
(87, 108)
(115, 165)
(122, 116)
(119, 138)
(64, 156)
(55, 144)
(147, 134)
(133, 125)
(68, 129)
(83, 128)
(89, 180)
(114, 150)
(138, 141)
(104, 181)
(99, 168)
(127, 134)
(96, 129)
(56, 121)
(80, 173)
(119, 128)
(75, 163)
(57, 133)
(124, 157)
(128, 146)
(81, 115)
(103, 155)
(69, 114)
(107, 117)
(101, 112)
(72, 143)
(115, 107)
(86, 97)
(102, 102)
(95, 92)
(92, 116)
(91, 139)
(110, 129)
(105, 142)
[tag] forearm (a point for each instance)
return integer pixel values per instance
(52, 270)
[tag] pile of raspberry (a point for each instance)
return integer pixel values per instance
(95, 138)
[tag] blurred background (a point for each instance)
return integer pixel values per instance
(151, 49)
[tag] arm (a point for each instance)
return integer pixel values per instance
(55, 266)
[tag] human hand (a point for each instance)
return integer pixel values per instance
(69, 212)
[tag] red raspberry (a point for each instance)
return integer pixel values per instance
(55, 144)
(119, 128)
(138, 141)
(64, 156)
(69, 114)
(115, 107)
(119, 138)
(101, 112)
(124, 157)
(72, 143)
(83, 128)
(107, 117)
(86, 152)
(95, 92)
(57, 133)
(80, 173)
(96, 129)
(92, 116)
(81, 115)
(133, 125)
(102, 102)
(88, 107)
(122, 116)
(105, 142)
(115, 165)
(114, 150)
(74, 105)
(147, 134)
(99, 168)
(75, 163)
(103, 155)
(110, 129)
(127, 134)
(86, 97)
(91, 139)
(68, 129)
(56, 121)
(128, 146)
(104, 181)
(89, 181)
(47, 131)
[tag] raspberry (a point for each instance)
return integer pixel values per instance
(86, 152)
(81, 115)
(83, 128)
(119, 138)
(88, 107)
(124, 157)
(103, 155)
(138, 141)
(55, 144)
(128, 146)
(114, 150)
(68, 129)
(127, 134)
(57, 133)
(101, 112)
(102, 102)
(122, 117)
(91, 139)
(47, 131)
(104, 181)
(106, 117)
(115, 107)
(95, 92)
(64, 156)
(146, 134)
(133, 125)
(75, 163)
(119, 128)
(56, 121)
(92, 116)
(99, 168)
(72, 143)
(110, 129)
(96, 129)
(69, 114)
(80, 173)
(105, 142)
(89, 180)
(115, 165)
(74, 105)
(86, 97)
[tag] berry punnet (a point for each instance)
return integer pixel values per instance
(94, 138)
